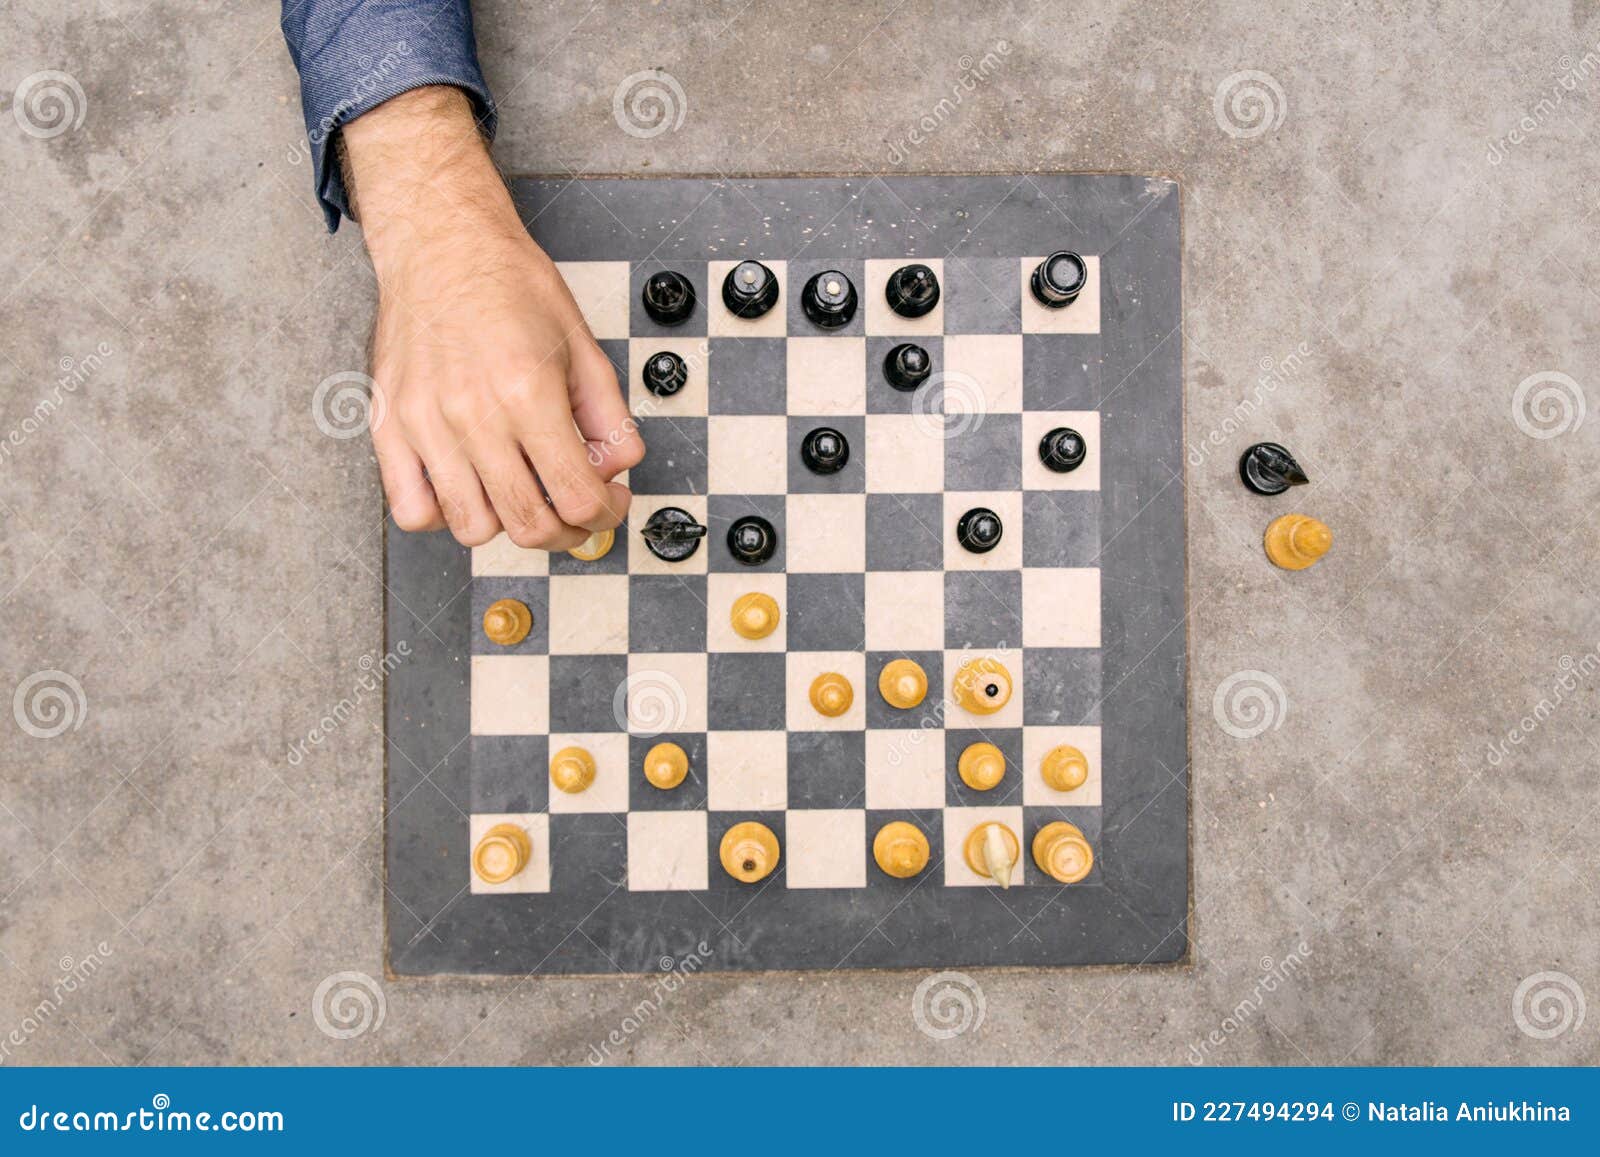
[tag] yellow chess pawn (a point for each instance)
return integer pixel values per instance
(754, 615)
(831, 694)
(595, 547)
(749, 851)
(665, 765)
(903, 684)
(900, 849)
(572, 769)
(982, 686)
(1064, 768)
(1295, 541)
(1062, 853)
(503, 851)
(507, 622)
(982, 766)
(991, 851)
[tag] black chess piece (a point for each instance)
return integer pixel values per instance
(907, 366)
(912, 290)
(1268, 468)
(829, 299)
(750, 289)
(1058, 279)
(672, 534)
(668, 298)
(752, 540)
(665, 374)
(1062, 450)
(824, 450)
(979, 530)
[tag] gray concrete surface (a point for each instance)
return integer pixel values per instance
(1376, 875)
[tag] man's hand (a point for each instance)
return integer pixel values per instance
(489, 378)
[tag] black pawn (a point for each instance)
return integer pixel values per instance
(907, 366)
(1062, 450)
(913, 290)
(829, 299)
(668, 298)
(1268, 468)
(824, 450)
(979, 530)
(672, 534)
(665, 374)
(752, 540)
(749, 290)
(1059, 278)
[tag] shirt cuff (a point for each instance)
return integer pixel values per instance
(363, 54)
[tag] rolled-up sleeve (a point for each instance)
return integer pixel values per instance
(355, 54)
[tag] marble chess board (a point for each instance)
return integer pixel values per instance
(1082, 601)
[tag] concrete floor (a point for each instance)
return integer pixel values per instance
(1375, 877)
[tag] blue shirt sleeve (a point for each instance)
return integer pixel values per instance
(355, 54)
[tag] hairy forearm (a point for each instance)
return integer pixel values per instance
(418, 171)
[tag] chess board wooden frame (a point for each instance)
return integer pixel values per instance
(614, 884)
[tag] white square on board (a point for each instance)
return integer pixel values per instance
(827, 533)
(500, 557)
(721, 322)
(667, 851)
(881, 320)
(905, 610)
(827, 848)
(588, 614)
(609, 791)
(747, 770)
(1082, 316)
(905, 453)
(1036, 743)
(601, 290)
(827, 376)
(724, 589)
(985, 365)
(1035, 425)
(510, 694)
(959, 823)
(906, 769)
(666, 692)
(747, 454)
(802, 669)
(535, 876)
(1061, 607)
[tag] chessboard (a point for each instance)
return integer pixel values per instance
(636, 767)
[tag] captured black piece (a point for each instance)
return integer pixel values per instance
(1268, 468)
